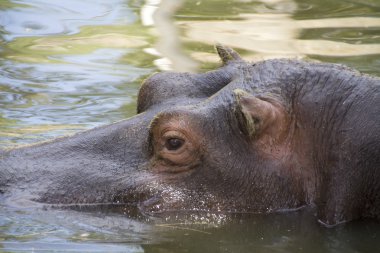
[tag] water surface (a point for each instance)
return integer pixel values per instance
(67, 66)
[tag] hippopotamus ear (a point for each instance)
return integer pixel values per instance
(257, 115)
(227, 54)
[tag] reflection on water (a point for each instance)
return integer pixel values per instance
(100, 231)
(274, 35)
(64, 66)
(71, 65)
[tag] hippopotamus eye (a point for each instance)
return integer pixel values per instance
(174, 143)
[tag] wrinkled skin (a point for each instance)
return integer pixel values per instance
(270, 136)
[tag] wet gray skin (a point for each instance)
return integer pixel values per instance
(245, 138)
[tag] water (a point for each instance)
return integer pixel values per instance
(71, 65)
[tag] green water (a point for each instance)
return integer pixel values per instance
(71, 65)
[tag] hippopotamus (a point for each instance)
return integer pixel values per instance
(249, 137)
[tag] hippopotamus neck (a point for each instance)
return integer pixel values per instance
(322, 104)
(330, 104)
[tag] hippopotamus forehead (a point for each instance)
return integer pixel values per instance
(223, 98)
(184, 115)
(163, 87)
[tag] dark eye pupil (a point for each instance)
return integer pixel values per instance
(174, 143)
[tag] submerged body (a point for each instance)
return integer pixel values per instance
(263, 137)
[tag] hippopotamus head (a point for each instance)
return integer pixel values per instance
(217, 142)
(245, 138)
